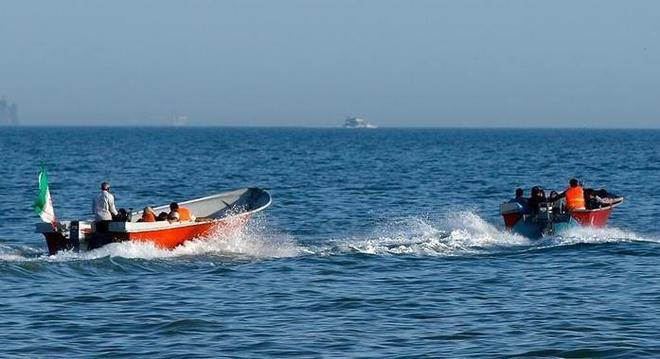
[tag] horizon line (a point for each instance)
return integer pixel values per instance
(163, 126)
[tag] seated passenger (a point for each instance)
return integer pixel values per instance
(179, 213)
(186, 214)
(122, 216)
(162, 216)
(590, 201)
(574, 195)
(521, 200)
(148, 215)
(594, 201)
(535, 201)
(555, 202)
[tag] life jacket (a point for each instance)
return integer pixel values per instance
(575, 198)
(148, 217)
(184, 214)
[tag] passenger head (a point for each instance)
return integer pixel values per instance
(174, 206)
(148, 210)
(519, 192)
(573, 182)
(105, 186)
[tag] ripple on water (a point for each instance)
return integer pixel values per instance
(378, 244)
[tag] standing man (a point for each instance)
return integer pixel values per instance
(103, 207)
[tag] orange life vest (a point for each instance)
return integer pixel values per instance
(184, 214)
(148, 217)
(575, 198)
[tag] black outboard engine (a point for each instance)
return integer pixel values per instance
(122, 216)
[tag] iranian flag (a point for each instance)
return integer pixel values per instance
(43, 205)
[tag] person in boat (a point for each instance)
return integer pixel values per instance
(574, 196)
(122, 216)
(148, 215)
(179, 213)
(555, 202)
(103, 207)
(521, 200)
(594, 200)
(534, 202)
(162, 216)
(590, 200)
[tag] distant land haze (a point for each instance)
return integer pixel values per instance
(8, 113)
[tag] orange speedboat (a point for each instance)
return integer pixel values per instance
(220, 213)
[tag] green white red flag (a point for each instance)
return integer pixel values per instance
(43, 205)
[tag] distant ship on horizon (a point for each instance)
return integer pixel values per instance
(179, 120)
(356, 122)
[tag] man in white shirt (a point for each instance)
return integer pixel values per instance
(103, 207)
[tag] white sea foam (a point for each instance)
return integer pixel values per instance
(592, 235)
(17, 253)
(255, 240)
(10, 257)
(459, 234)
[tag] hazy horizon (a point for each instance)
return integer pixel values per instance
(419, 64)
(335, 126)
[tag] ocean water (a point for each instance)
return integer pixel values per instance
(379, 243)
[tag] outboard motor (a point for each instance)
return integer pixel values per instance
(74, 235)
(78, 235)
(65, 235)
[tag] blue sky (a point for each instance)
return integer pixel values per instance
(314, 62)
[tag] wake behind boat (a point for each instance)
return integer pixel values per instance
(220, 213)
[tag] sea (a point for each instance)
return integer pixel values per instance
(379, 243)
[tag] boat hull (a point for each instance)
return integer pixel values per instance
(175, 237)
(548, 223)
(169, 238)
(535, 227)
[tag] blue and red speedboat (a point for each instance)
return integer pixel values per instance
(553, 218)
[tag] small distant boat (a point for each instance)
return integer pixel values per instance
(554, 220)
(356, 122)
(220, 213)
(179, 120)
